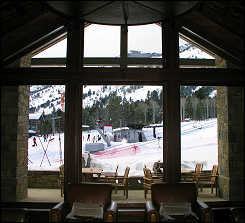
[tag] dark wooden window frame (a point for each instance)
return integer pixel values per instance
(74, 75)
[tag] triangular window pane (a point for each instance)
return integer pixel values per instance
(188, 50)
(57, 50)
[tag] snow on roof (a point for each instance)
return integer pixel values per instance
(119, 129)
(153, 125)
(35, 116)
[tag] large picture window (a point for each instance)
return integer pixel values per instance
(122, 125)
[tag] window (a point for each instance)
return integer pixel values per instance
(46, 127)
(199, 140)
(124, 127)
(102, 41)
(194, 57)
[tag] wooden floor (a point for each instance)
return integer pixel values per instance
(135, 196)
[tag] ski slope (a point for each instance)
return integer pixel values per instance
(198, 144)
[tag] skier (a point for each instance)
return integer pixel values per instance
(140, 136)
(88, 139)
(99, 138)
(34, 141)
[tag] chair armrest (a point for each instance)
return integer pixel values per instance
(56, 213)
(203, 211)
(112, 207)
(151, 212)
(111, 212)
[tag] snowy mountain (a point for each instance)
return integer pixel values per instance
(46, 97)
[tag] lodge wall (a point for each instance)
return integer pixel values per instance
(14, 138)
(43, 179)
(230, 106)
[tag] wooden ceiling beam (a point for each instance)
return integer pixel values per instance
(61, 61)
(204, 76)
(13, 46)
(24, 13)
(226, 14)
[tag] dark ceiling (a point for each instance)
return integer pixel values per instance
(218, 26)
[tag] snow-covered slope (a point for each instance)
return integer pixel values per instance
(198, 144)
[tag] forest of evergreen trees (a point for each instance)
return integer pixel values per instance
(196, 104)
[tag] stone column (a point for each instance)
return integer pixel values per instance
(230, 107)
(14, 138)
(230, 115)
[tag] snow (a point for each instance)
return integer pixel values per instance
(43, 94)
(198, 144)
(35, 116)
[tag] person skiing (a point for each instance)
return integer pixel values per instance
(34, 141)
(88, 139)
(140, 136)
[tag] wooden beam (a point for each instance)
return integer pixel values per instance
(111, 61)
(17, 44)
(73, 95)
(123, 46)
(170, 44)
(171, 119)
(171, 132)
(204, 76)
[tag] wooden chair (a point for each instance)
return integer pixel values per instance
(121, 182)
(149, 180)
(176, 195)
(61, 180)
(85, 193)
(208, 179)
(157, 169)
(197, 171)
(109, 178)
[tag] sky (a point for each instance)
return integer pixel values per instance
(104, 41)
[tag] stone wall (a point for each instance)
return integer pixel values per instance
(14, 138)
(43, 179)
(230, 107)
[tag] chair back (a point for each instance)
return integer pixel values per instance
(156, 167)
(125, 177)
(214, 174)
(173, 193)
(116, 173)
(198, 168)
(61, 170)
(96, 193)
(148, 173)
